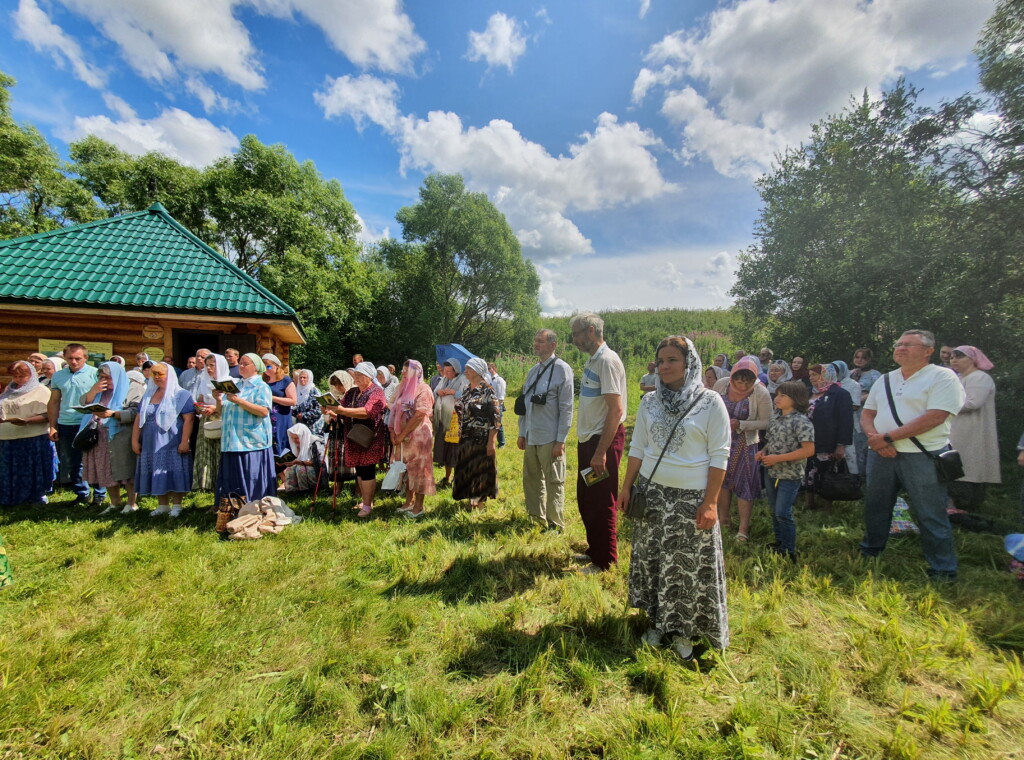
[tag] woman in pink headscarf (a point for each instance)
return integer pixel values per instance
(412, 436)
(973, 432)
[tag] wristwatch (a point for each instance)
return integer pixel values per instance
(888, 439)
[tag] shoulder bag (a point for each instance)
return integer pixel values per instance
(520, 404)
(948, 465)
(837, 484)
(637, 506)
(361, 435)
(89, 436)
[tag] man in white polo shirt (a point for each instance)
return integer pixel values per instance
(926, 397)
(601, 438)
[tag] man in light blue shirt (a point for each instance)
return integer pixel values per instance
(548, 392)
(499, 386)
(66, 389)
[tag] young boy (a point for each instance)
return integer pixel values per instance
(790, 442)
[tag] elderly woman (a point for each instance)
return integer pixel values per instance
(160, 438)
(51, 367)
(412, 436)
(340, 383)
(713, 374)
(831, 411)
(36, 359)
(247, 439)
(301, 473)
(449, 390)
(110, 390)
(364, 406)
(307, 409)
(750, 408)
(284, 396)
(973, 432)
(476, 469)
(778, 373)
(677, 574)
(207, 459)
(388, 382)
(28, 459)
(722, 361)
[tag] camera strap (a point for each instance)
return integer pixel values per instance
(540, 375)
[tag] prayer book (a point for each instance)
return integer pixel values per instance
(285, 458)
(225, 386)
(90, 408)
(328, 399)
(590, 477)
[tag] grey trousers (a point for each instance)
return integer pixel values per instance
(544, 484)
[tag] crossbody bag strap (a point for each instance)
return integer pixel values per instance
(896, 416)
(672, 433)
(539, 376)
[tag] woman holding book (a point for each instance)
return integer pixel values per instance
(363, 406)
(307, 409)
(247, 439)
(207, 461)
(28, 459)
(301, 473)
(111, 391)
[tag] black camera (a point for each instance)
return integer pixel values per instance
(539, 398)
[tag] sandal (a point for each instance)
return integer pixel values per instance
(364, 511)
(742, 537)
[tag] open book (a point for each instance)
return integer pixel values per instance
(328, 399)
(90, 408)
(285, 458)
(225, 386)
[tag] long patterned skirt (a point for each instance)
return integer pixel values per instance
(742, 475)
(677, 572)
(27, 469)
(476, 474)
(207, 463)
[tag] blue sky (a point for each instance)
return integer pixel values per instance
(621, 138)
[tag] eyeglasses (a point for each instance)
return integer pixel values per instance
(909, 345)
(152, 373)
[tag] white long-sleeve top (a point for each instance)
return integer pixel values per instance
(705, 445)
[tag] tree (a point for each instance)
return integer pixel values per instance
(463, 268)
(35, 194)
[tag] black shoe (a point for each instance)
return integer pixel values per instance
(444, 484)
(100, 501)
(552, 528)
(82, 501)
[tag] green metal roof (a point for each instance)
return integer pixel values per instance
(139, 261)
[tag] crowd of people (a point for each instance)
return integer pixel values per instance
(744, 426)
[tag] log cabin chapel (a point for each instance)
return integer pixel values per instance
(131, 283)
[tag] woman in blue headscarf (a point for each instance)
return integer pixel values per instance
(110, 390)
(161, 439)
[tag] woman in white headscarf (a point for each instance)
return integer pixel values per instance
(28, 459)
(51, 366)
(779, 372)
(476, 469)
(448, 391)
(388, 382)
(301, 473)
(160, 438)
(364, 405)
(207, 460)
(284, 396)
(307, 409)
(677, 572)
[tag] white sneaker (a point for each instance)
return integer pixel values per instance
(653, 637)
(129, 508)
(108, 510)
(176, 512)
(684, 648)
(163, 509)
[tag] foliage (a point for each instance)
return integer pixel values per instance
(35, 194)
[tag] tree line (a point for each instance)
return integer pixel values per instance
(457, 275)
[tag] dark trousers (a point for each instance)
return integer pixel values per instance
(71, 458)
(597, 502)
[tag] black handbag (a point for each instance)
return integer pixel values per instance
(948, 464)
(837, 483)
(88, 436)
(520, 405)
(360, 435)
(637, 506)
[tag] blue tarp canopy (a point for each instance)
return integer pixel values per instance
(446, 351)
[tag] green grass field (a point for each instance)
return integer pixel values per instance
(471, 635)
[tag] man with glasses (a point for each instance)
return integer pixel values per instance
(926, 397)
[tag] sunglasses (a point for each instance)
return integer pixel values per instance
(154, 373)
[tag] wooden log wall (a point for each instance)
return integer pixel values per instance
(20, 332)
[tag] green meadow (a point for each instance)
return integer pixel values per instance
(472, 635)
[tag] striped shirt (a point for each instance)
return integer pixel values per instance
(242, 430)
(602, 374)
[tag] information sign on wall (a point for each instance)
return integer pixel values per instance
(97, 352)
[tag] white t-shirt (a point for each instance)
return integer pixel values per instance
(648, 380)
(931, 387)
(603, 373)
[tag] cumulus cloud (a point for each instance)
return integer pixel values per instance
(368, 236)
(645, 5)
(35, 27)
(770, 68)
(174, 132)
(210, 98)
(362, 98)
(500, 44)
(118, 106)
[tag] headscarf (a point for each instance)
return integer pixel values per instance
(804, 373)
(344, 379)
(304, 451)
(479, 366)
(204, 383)
(842, 370)
(669, 404)
(787, 375)
(136, 377)
(366, 368)
(829, 377)
(382, 370)
(725, 362)
(719, 372)
(749, 364)
(14, 389)
(976, 355)
(303, 391)
(117, 359)
(258, 363)
(57, 362)
(405, 397)
(269, 358)
(170, 405)
(37, 355)
(113, 399)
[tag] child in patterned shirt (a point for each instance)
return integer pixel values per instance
(790, 442)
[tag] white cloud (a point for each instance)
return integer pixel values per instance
(174, 132)
(363, 97)
(210, 98)
(770, 68)
(118, 106)
(33, 25)
(645, 5)
(500, 44)
(368, 236)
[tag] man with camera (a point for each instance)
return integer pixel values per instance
(545, 416)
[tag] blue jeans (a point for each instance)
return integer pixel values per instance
(781, 495)
(71, 458)
(927, 499)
